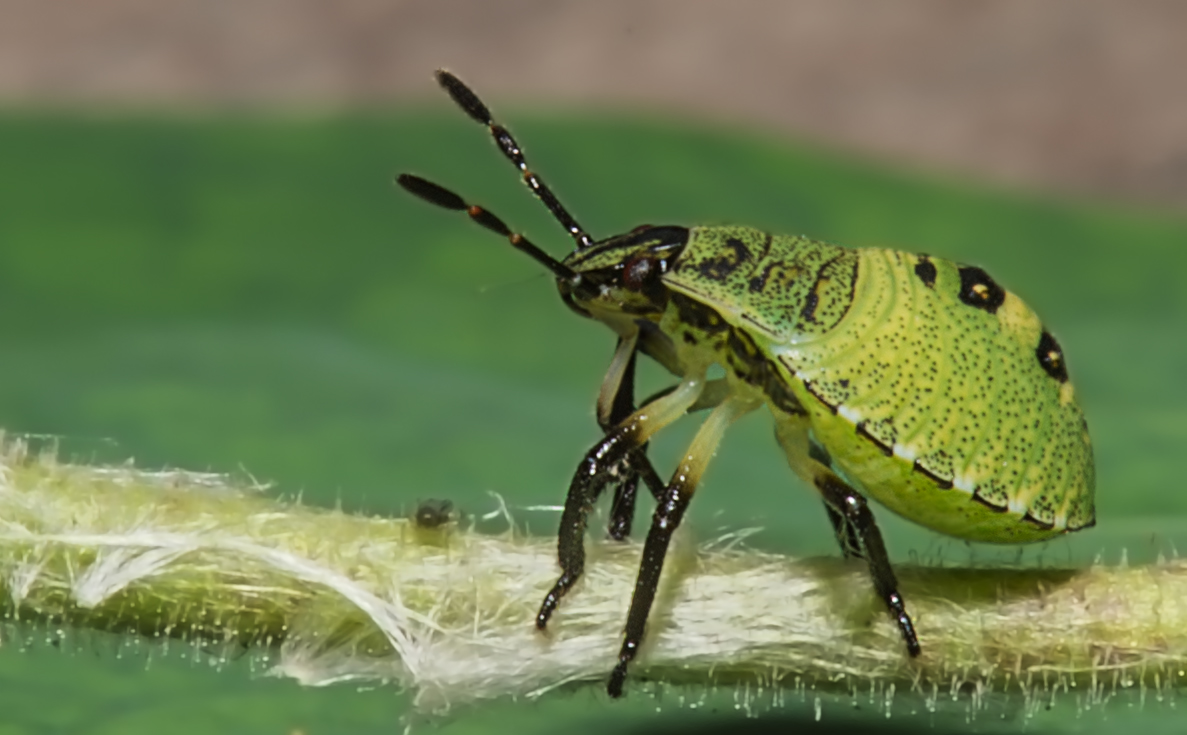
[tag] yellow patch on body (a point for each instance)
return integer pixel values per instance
(1067, 394)
(1018, 318)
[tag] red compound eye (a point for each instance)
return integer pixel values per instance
(638, 271)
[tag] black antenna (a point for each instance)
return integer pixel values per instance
(442, 197)
(469, 102)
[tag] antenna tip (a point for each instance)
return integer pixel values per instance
(430, 192)
(463, 96)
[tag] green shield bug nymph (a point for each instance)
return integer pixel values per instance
(913, 380)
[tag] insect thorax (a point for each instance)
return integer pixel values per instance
(783, 287)
(738, 291)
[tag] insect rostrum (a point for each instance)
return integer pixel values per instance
(909, 379)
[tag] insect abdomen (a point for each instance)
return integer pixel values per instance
(937, 368)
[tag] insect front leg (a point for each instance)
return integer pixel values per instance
(851, 506)
(616, 401)
(668, 514)
(596, 470)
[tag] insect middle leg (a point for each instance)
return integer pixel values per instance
(596, 470)
(668, 514)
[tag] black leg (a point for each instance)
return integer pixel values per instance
(622, 509)
(636, 465)
(600, 466)
(851, 507)
(668, 514)
(845, 533)
(593, 474)
(615, 403)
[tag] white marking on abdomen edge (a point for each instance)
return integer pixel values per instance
(905, 452)
(964, 483)
(851, 415)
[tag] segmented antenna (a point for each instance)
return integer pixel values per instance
(469, 102)
(442, 197)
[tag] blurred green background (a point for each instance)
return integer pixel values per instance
(250, 293)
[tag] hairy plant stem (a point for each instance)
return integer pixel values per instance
(448, 611)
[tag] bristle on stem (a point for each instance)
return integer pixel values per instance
(447, 611)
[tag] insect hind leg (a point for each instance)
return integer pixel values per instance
(810, 460)
(846, 534)
(852, 507)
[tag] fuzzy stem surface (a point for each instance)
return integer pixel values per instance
(448, 611)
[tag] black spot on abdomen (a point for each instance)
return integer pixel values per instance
(979, 290)
(1050, 356)
(926, 270)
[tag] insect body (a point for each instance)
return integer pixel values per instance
(910, 379)
(434, 514)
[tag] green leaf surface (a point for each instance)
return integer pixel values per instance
(252, 294)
